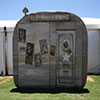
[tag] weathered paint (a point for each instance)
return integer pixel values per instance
(50, 50)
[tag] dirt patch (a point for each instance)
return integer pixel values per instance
(9, 77)
(5, 79)
(1, 78)
(90, 79)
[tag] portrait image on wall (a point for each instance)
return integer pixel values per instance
(65, 45)
(22, 35)
(37, 58)
(43, 46)
(29, 53)
(52, 50)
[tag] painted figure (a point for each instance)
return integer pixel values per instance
(29, 53)
(22, 35)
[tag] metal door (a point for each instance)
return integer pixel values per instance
(66, 47)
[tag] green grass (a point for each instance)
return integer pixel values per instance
(91, 91)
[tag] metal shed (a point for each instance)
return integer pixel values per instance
(50, 50)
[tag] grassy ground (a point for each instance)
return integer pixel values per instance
(91, 91)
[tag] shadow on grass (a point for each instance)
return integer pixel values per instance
(50, 90)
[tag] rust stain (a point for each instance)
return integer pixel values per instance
(66, 64)
(65, 71)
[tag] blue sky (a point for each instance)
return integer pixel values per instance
(12, 9)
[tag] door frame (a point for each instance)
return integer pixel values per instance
(66, 32)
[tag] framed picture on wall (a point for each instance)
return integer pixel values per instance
(22, 35)
(43, 46)
(37, 58)
(29, 53)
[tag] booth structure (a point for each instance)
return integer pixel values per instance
(93, 29)
(50, 50)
